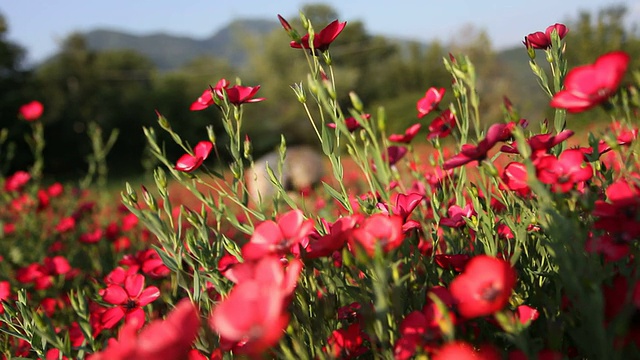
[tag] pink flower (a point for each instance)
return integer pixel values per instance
(589, 85)
(188, 162)
(129, 299)
(31, 111)
(430, 101)
(394, 154)
(323, 39)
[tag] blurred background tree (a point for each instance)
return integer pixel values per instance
(120, 87)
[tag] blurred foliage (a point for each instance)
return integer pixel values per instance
(121, 88)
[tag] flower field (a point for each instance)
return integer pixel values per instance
(451, 240)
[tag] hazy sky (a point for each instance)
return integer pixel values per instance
(39, 25)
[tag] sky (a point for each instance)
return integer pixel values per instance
(40, 25)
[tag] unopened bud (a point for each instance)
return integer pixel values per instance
(304, 21)
(131, 193)
(299, 91)
(211, 134)
(164, 123)
(247, 147)
(356, 102)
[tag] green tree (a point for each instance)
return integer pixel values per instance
(111, 88)
(14, 92)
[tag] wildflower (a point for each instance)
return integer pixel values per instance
(442, 126)
(542, 40)
(394, 154)
(239, 95)
(408, 135)
(430, 101)
(31, 111)
(589, 85)
(188, 162)
(565, 171)
(169, 339)
(469, 153)
(457, 216)
(378, 230)
(334, 240)
(484, 287)
(351, 123)
(129, 299)
(253, 316)
(16, 181)
(321, 40)
(206, 99)
(271, 237)
(514, 177)
(347, 343)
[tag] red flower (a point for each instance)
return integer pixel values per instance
(270, 237)
(441, 126)
(351, 123)
(5, 293)
(148, 261)
(378, 230)
(484, 287)
(239, 95)
(526, 314)
(430, 101)
(188, 162)
(31, 111)
(408, 135)
(565, 171)
(347, 343)
(129, 300)
(206, 99)
(323, 39)
(17, 181)
(456, 350)
(514, 177)
(542, 40)
(395, 153)
(589, 85)
(469, 153)
(42, 274)
(253, 316)
(169, 339)
(334, 240)
(540, 143)
(457, 216)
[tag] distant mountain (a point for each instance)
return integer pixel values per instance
(170, 51)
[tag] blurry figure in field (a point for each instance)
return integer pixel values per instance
(302, 169)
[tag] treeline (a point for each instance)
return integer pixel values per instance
(120, 89)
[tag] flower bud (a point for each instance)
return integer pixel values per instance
(356, 102)
(164, 123)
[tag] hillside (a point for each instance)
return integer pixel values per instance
(169, 51)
